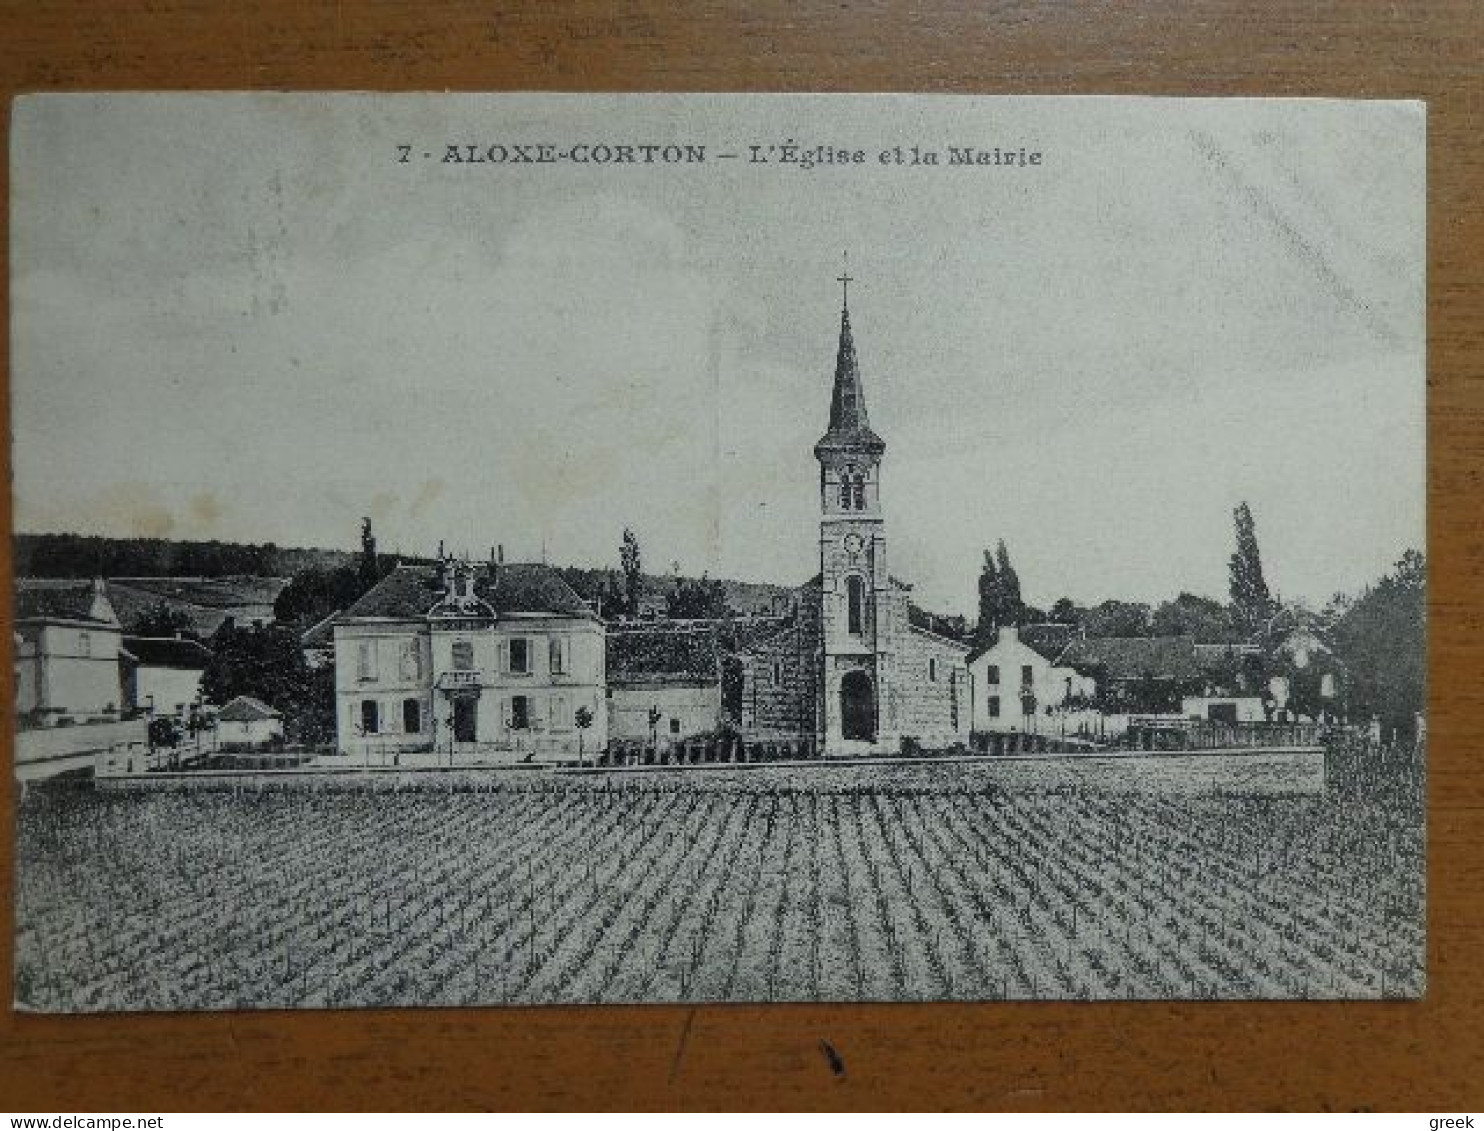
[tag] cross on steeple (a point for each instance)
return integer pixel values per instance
(844, 279)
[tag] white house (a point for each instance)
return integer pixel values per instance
(67, 653)
(247, 723)
(163, 674)
(1015, 681)
(488, 662)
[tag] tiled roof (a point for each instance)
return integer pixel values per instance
(46, 599)
(246, 709)
(409, 591)
(674, 655)
(1134, 657)
(208, 592)
(1044, 643)
(1048, 638)
(206, 601)
(167, 652)
(1215, 657)
(924, 621)
(322, 633)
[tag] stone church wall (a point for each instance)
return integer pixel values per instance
(929, 689)
(780, 680)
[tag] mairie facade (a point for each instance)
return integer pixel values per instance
(465, 661)
(856, 674)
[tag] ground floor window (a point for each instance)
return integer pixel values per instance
(412, 716)
(370, 717)
(994, 706)
(561, 713)
(520, 712)
(674, 726)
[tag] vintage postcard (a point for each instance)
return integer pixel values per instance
(512, 549)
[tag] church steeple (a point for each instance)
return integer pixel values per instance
(849, 430)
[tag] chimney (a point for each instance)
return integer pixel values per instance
(1008, 632)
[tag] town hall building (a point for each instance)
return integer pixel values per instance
(858, 672)
(470, 662)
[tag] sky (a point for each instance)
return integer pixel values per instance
(243, 317)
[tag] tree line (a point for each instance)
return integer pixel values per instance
(88, 555)
(1377, 638)
(1250, 607)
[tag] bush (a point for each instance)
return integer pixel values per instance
(911, 746)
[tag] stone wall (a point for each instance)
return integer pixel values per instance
(686, 709)
(780, 680)
(929, 689)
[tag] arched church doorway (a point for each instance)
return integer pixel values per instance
(857, 707)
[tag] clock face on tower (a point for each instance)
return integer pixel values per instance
(853, 543)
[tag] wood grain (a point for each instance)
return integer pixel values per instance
(1427, 1056)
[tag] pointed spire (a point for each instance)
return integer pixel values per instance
(850, 427)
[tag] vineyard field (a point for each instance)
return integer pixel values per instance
(761, 887)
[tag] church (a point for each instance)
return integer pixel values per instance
(859, 671)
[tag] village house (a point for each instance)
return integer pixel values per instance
(162, 674)
(664, 683)
(1017, 679)
(1310, 678)
(68, 644)
(245, 723)
(489, 661)
(856, 673)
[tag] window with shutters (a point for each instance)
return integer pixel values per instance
(520, 655)
(560, 713)
(412, 661)
(556, 657)
(366, 661)
(520, 712)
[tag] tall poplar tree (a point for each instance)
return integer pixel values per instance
(989, 601)
(1249, 591)
(1012, 608)
(999, 593)
(633, 571)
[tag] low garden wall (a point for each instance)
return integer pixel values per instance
(1299, 770)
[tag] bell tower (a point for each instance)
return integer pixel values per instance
(856, 599)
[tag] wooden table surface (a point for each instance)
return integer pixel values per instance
(1425, 1057)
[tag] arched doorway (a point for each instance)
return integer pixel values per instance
(857, 707)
